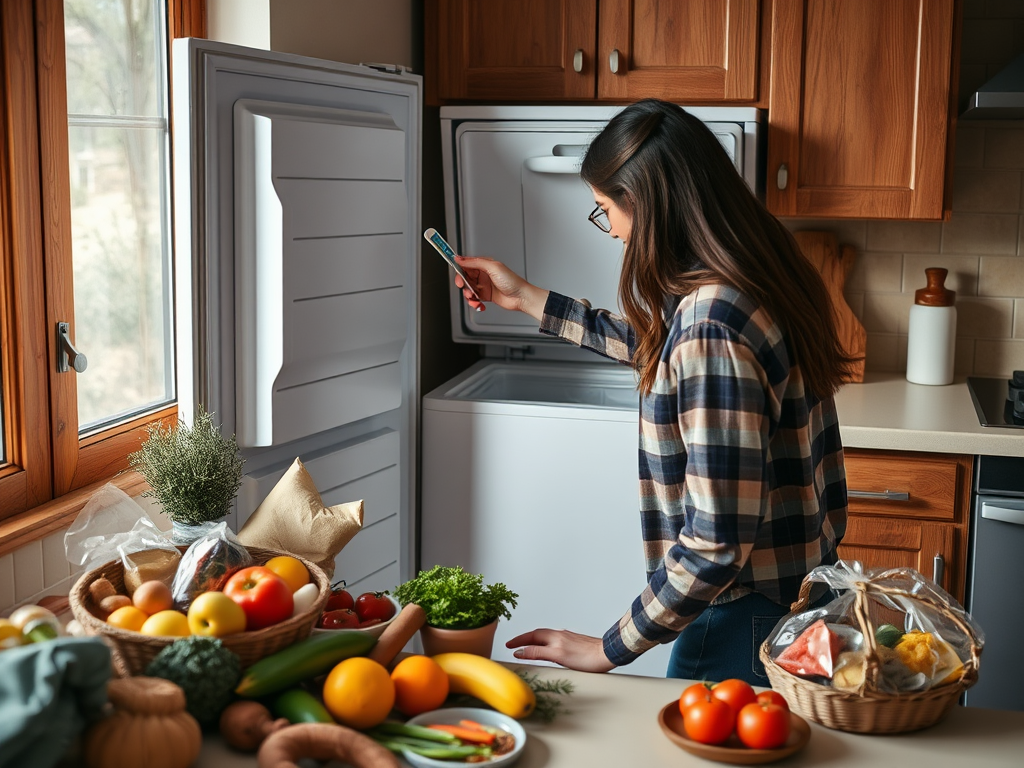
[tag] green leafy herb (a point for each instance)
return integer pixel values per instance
(194, 472)
(549, 706)
(455, 599)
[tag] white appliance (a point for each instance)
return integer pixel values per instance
(529, 458)
(297, 203)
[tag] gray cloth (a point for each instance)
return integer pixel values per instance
(49, 692)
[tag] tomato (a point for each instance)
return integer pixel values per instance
(693, 694)
(709, 722)
(734, 692)
(374, 605)
(342, 618)
(339, 598)
(369, 623)
(772, 697)
(264, 596)
(763, 726)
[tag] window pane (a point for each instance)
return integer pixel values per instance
(118, 150)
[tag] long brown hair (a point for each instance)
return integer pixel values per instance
(695, 222)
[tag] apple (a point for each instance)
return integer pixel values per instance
(214, 614)
(265, 597)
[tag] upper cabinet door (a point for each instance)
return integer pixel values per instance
(513, 49)
(682, 50)
(859, 113)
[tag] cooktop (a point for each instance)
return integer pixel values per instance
(992, 400)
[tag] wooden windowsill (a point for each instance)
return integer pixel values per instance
(40, 522)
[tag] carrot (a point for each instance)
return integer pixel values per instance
(476, 725)
(472, 735)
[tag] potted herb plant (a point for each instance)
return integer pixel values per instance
(462, 612)
(193, 471)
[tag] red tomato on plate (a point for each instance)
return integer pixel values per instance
(264, 596)
(374, 605)
(693, 694)
(339, 598)
(342, 618)
(772, 697)
(763, 726)
(734, 692)
(709, 722)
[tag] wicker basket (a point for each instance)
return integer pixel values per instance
(869, 710)
(132, 651)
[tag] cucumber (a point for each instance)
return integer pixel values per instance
(302, 660)
(300, 706)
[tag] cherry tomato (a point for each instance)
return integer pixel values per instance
(374, 605)
(693, 694)
(763, 726)
(342, 618)
(772, 697)
(734, 692)
(369, 623)
(265, 597)
(709, 722)
(339, 598)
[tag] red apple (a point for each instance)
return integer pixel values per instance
(263, 595)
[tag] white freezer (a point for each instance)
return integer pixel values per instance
(529, 459)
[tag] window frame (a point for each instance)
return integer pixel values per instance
(50, 471)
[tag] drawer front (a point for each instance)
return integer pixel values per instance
(929, 486)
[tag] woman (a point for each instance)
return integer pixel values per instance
(731, 333)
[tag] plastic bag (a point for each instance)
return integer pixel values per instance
(893, 631)
(112, 526)
(207, 564)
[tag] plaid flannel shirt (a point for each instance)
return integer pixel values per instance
(742, 482)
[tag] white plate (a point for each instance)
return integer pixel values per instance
(452, 715)
(376, 629)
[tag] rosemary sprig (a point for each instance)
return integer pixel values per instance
(549, 705)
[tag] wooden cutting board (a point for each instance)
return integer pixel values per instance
(834, 264)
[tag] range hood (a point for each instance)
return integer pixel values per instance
(1002, 97)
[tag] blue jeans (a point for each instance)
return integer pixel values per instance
(724, 641)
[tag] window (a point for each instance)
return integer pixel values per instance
(85, 240)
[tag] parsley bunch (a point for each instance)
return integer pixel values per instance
(455, 599)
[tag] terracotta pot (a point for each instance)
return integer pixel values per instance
(479, 640)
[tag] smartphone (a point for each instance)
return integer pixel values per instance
(433, 237)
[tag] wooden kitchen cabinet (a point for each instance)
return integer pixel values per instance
(691, 51)
(861, 107)
(927, 530)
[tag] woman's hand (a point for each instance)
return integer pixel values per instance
(495, 282)
(561, 646)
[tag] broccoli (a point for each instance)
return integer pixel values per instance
(206, 670)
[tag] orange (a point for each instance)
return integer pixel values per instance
(290, 569)
(151, 597)
(420, 685)
(167, 623)
(128, 617)
(359, 693)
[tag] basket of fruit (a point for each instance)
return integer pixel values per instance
(891, 654)
(256, 609)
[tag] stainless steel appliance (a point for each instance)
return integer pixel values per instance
(999, 402)
(994, 594)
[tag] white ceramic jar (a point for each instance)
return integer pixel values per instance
(931, 340)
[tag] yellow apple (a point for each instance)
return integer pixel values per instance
(169, 623)
(214, 614)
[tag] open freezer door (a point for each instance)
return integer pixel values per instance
(297, 195)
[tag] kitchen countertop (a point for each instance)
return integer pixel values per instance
(888, 412)
(613, 721)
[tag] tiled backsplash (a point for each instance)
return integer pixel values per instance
(982, 245)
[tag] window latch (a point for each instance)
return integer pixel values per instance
(67, 355)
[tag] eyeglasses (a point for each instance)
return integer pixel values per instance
(599, 218)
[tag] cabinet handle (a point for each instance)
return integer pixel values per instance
(883, 495)
(613, 61)
(577, 60)
(938, 569)
(782, 179)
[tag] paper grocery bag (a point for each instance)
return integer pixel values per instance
(293, 519)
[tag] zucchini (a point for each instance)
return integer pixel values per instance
(300, 706)
(302, 660)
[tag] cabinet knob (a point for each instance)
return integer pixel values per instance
(783, 176)
(613, 61)
(577, 60)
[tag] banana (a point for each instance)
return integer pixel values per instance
(488, 681)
